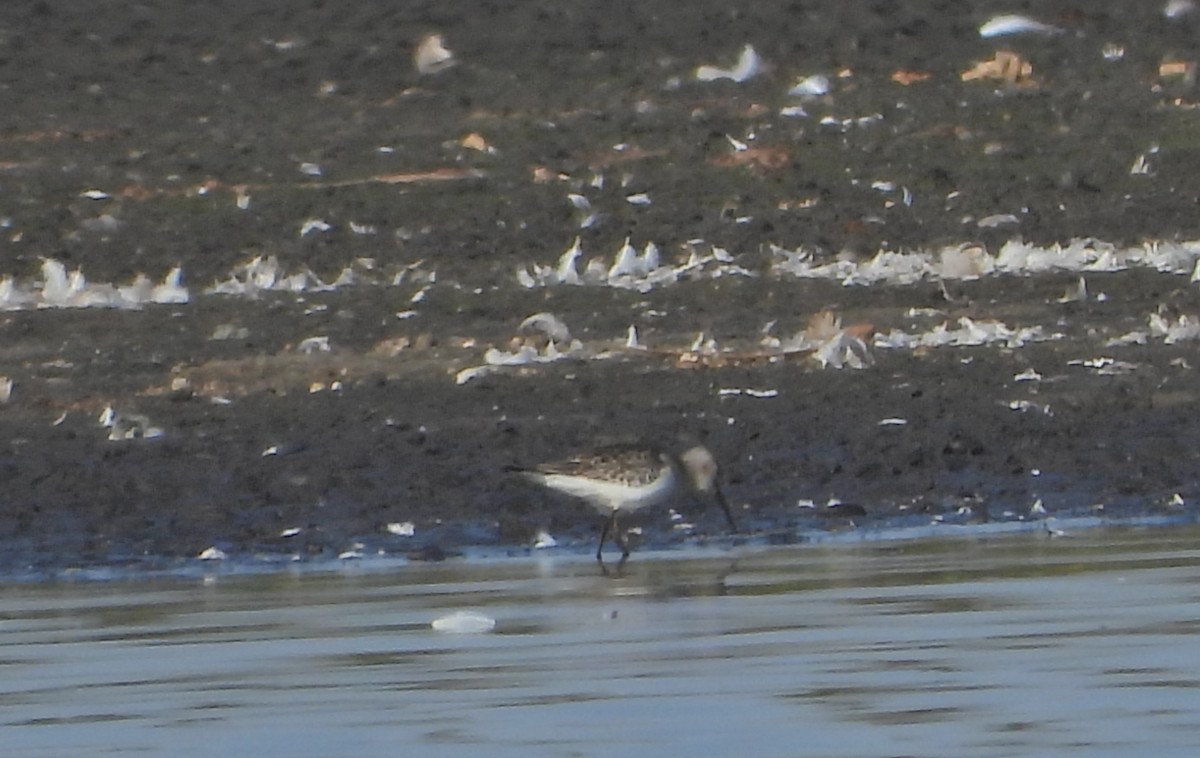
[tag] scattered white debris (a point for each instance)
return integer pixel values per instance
(264, 273)
(223, 332)
(1184, 328)
(290, 532)
(1141, 164)
(968, 333)
(893, 422)
(314, 225)
(631, 338)
(748, 66)
(526, 353)
(431, 55)
(747, 392)
(464, 622)
(629, 269)
(998, 220)
(1077, 293)
(1028, 375)
(474, 372)
(212, 554)
(95, 194)
(310, 169)
(1178, 8)
(1027, 406)
(1136, 337)
(811, 86)
(1001, 26)
(639, 198)
(1105, 366)
(544, 540)
(353, 553)
(312, 345)
(548, 324)
(402, 528)
(128, 426)
(1037, 509)
(60, 289)
(844, 350)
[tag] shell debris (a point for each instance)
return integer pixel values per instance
(747, 67)
(431, 55)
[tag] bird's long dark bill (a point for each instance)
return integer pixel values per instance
(720, 496)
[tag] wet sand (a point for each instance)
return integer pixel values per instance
(205, 136)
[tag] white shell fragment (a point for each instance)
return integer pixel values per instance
(212, 554)
(748, 66)
(464, 622)
(402, 528)
(811, 86)
(128, 426)
(431, 55)
(1178, 8)
(314, 225)
(1006, 25)
(547, 324)
(312, 345)
(747, 392)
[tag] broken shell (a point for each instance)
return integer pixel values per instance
(431, 55)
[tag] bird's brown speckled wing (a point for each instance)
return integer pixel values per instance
(627, 465)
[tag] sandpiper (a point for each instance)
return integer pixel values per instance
(622, 479)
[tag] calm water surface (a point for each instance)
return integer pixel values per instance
(1013, 645)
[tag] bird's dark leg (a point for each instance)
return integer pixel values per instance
(609, 526)
(619, 538)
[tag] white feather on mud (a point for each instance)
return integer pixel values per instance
(1010, 24)
(431, 55)
(748, 66)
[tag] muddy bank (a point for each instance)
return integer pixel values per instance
(300, 418)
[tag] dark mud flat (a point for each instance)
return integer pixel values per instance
(306, 422)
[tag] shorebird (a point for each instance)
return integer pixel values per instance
(624, 479)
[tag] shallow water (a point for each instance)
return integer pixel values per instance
(1011, 645)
